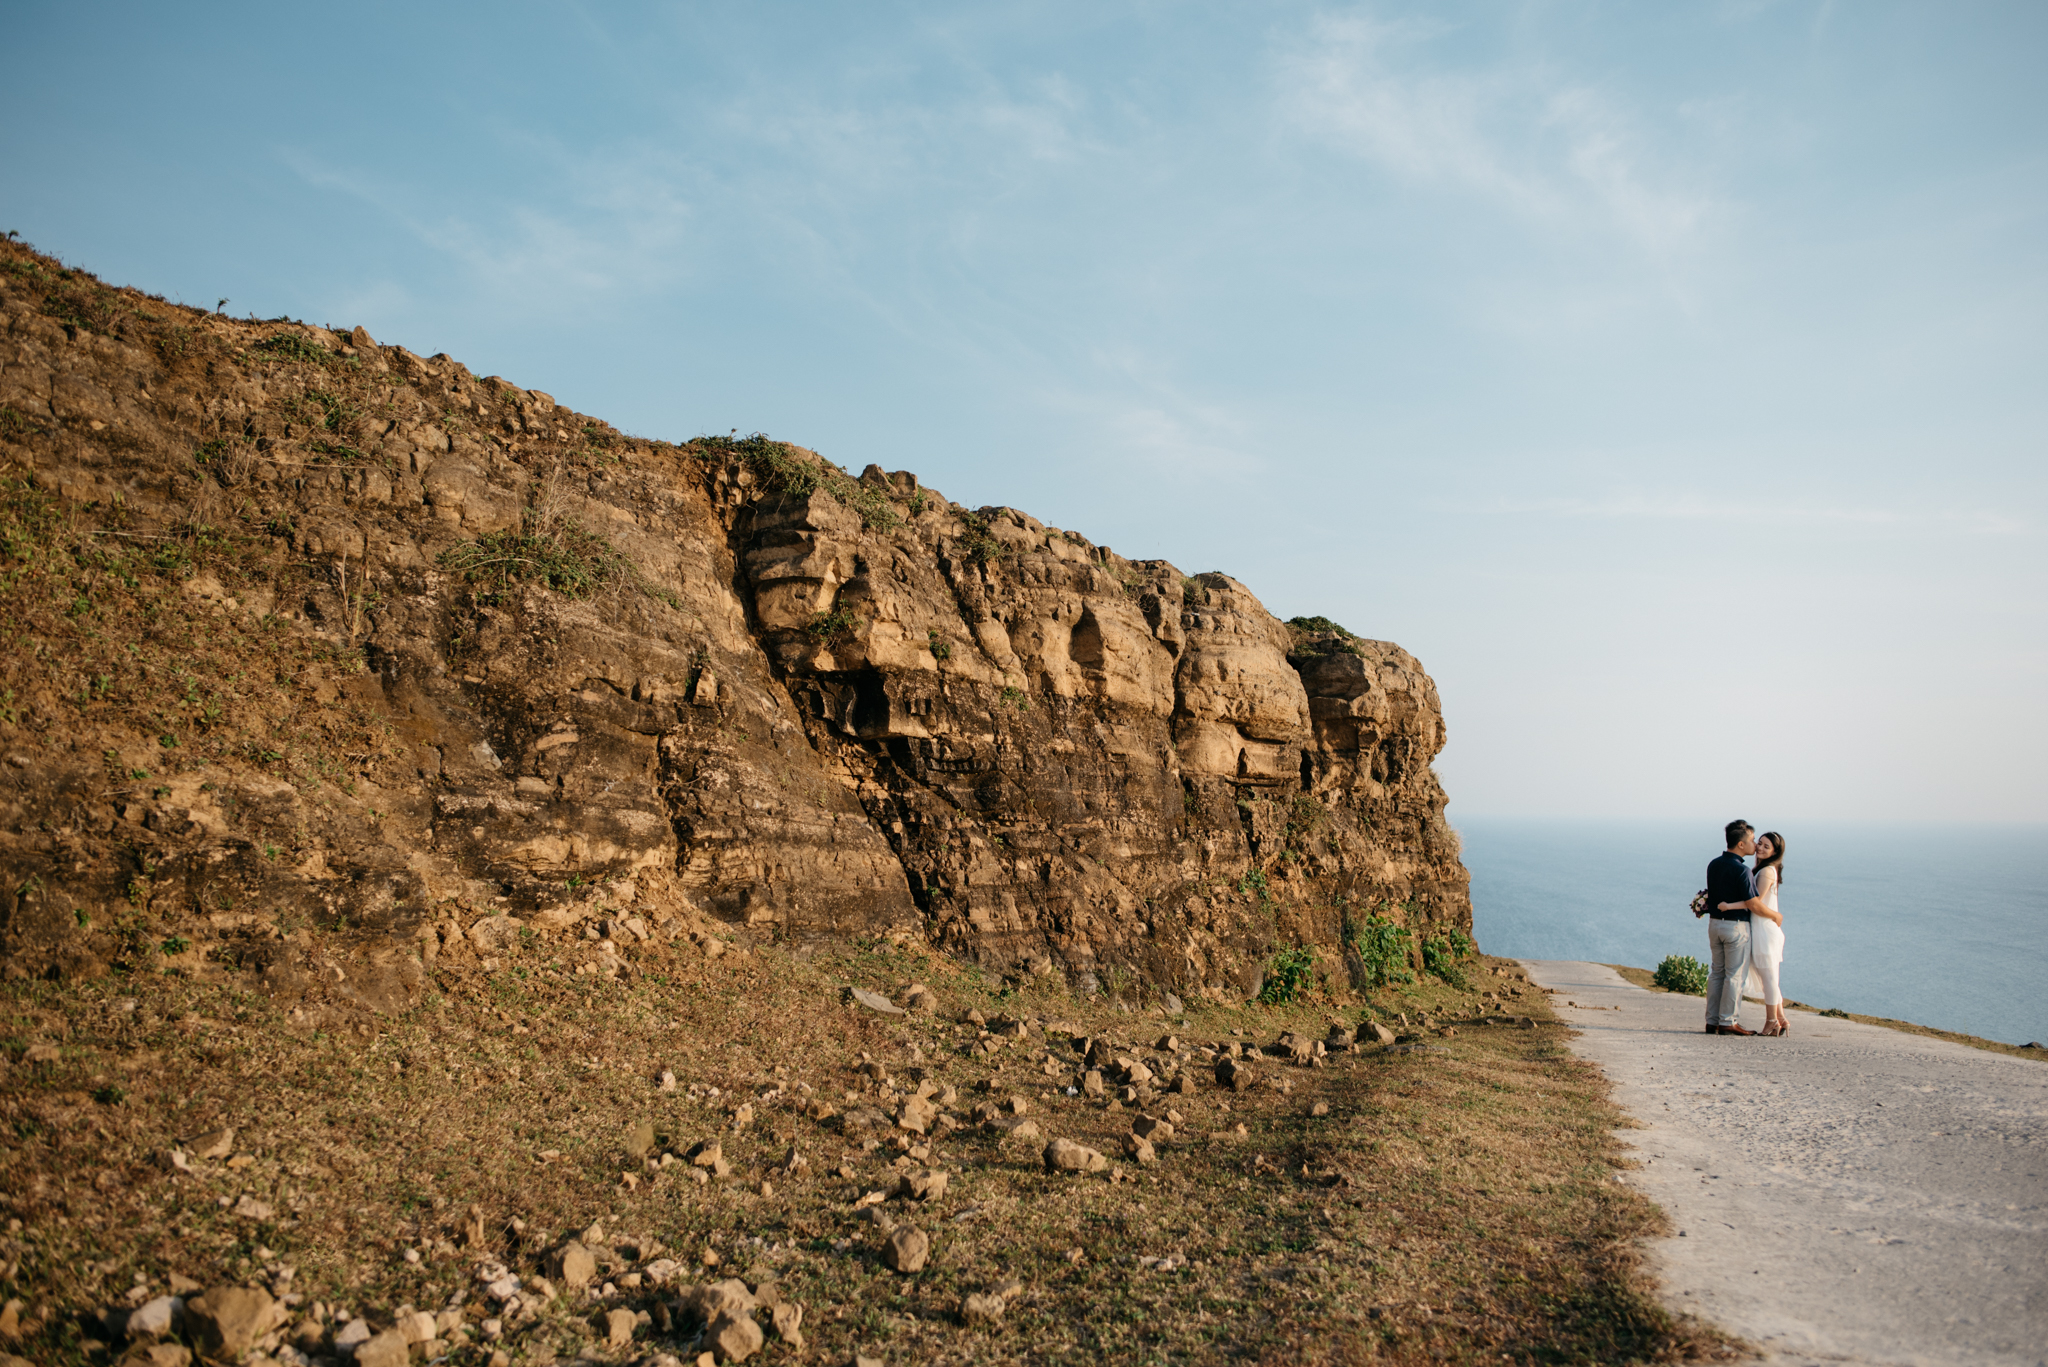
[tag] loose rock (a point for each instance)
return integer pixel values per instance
(873, 1001)
(227, 1321)
(388, 1349)
(618, 1326)
(907, 1249)
(576, 1265)
(1064, 1155)
(926, 1185)
(789, 1319)
(734, 1336)
(1235, 1074)
(976, 1308)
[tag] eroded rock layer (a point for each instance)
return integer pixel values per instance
(312, 632)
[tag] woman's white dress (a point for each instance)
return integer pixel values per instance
(1767, 941)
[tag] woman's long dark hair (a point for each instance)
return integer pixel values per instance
(1777, 859)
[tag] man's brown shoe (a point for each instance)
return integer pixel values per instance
(1735, 1030)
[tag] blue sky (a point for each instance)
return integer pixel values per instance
(1672, 379)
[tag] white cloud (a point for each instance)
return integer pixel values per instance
(1515, 134)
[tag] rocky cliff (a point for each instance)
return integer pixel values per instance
(326, 659)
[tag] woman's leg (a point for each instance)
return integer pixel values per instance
(1766, 967)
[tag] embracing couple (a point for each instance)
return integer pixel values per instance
(1746, 933)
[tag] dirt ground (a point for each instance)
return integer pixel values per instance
(1448, 1198)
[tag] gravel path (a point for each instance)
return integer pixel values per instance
(1846, 1194)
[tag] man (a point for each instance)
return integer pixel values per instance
(1730, 880)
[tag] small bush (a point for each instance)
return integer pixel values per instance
(1682, 973)
(1440, 955)
(830, 626)
(1382, 947)
(1289, 977)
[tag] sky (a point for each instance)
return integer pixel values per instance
(1671, 379)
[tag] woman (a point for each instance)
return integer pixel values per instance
(1767, 929)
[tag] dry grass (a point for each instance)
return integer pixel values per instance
(1643, 978)
(1455, 1204)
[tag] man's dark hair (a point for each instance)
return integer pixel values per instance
(1736, 830)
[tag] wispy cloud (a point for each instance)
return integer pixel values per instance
(1517, 134)
(1761, 512)
(615, 223)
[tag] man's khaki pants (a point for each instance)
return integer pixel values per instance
(1729, 943)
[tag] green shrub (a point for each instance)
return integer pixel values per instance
(1289, 977)
(1440, 955)
(1682, 973)
(1382, 947)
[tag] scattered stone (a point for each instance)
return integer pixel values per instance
(41, 1053)
(1173, 1005)
(926, 1185)
(667, 1080)
(979, 1309)
(1064, 1155)
(618, 1328)
(640, 1141)
(1167, 1044)
(734, 1336)
(211, 1145)
(1013, 1128)
(249, 1208)
(873, 1001)
(1339, 1037)
(1091, 1082)
(907, 1249)
(417, 1327)
(1235, 1074)
(1140, 1150)
(227, 1321)
(351, 1336)
(1158, 1131)
(918, 997)
(1320, 1108)
(576, 1265)
(153, 1319)
(707, 1302)
(917, 1115)
(789, 1320)
(1379, 1033)
(388, 1349)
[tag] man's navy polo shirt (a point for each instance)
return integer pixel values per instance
(1729, 880)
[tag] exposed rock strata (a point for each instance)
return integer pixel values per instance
(848, 709)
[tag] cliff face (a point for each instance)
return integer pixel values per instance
(319, 643)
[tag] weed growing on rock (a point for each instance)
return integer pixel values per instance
(785, 469)
(1381, 947)
(1288, 977)
(831, 626)
(1441, 953)
(560, 554)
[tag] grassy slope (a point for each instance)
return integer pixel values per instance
(1454, 1204)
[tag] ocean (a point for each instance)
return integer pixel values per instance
(1939, 925)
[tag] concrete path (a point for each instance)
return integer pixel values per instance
(1846, 1194)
